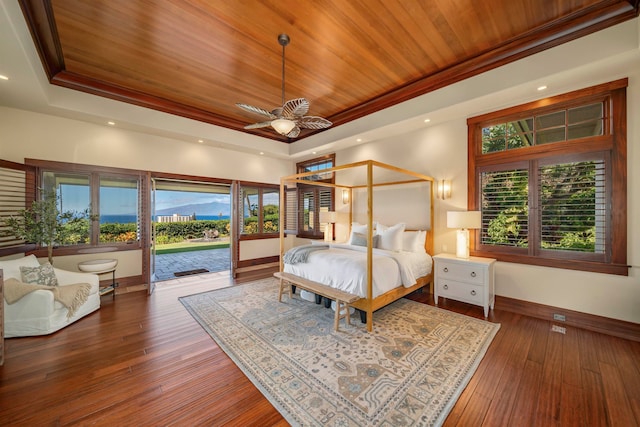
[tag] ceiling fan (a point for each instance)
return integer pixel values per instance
(288, 119)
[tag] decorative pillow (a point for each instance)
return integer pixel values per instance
(41, 275)
(357, 228)
(413, 241)
(391, 237)
(360, 239)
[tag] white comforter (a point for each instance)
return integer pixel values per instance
(345, 266)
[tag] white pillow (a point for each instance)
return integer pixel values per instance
(390, 237)
(357, 228)
(413, 241)
(11, 268)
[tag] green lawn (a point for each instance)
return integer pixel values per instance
(187, 246)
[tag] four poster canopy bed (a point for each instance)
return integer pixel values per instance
(388, 253)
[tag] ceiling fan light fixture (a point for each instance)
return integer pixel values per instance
(283, 126)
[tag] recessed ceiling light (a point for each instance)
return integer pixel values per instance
(111, 123)
(427, 120)
(262, 153)
(359, 140)
(313, 152)
(200, 141)
(543, 87)
(2, 77)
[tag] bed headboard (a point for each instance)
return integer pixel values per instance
(408, 203)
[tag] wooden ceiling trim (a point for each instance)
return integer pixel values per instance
(39, 16)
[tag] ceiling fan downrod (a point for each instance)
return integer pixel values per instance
(284, 40)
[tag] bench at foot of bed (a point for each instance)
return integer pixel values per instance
(342, 299)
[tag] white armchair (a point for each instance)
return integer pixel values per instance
(37, 313)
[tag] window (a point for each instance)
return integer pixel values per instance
(312, 200)
(107, 202)
(73, 193)
(119, 208)
(260, 210)
(550, 180)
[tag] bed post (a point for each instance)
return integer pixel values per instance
(370, 246)
(281, 225)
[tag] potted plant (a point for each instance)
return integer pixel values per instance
(43, 223)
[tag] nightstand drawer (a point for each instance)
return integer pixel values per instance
(467, 273)
(473, 294)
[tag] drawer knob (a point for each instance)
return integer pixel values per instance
(445, 287)
(473, 274)
(446, 270)
(473, 293)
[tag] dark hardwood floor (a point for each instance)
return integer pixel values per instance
(142, 360)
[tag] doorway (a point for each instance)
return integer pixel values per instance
(191, 228)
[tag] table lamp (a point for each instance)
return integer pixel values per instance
(463, 221)
(328, 218)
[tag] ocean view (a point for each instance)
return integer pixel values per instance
(123, 219)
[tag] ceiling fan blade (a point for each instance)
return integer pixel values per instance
(295, 108)
(257, 110)
(294, 132)
(259, 125)
(313, 122)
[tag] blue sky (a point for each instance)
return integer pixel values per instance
(122, 201)
(169, 199)
(118, 201)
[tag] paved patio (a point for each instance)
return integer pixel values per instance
(213, 260)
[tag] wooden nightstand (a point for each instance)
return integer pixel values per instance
(468, 280)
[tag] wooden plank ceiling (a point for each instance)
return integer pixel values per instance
(349, 58)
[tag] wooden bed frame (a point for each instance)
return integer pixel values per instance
(368, 305)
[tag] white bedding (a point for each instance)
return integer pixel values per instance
(344, 267)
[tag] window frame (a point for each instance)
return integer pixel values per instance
(260, 187)
(317, 231)
(612, 144)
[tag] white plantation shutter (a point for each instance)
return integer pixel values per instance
(15, 189)
(291, 210)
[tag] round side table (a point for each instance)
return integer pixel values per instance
(99, 267)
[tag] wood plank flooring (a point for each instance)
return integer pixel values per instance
(142, 360)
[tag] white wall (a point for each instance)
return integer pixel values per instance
(39, 136)
(32, 135)
(441, 151)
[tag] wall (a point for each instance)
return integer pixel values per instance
(40, 136)
(440, 150)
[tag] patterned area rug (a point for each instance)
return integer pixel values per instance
(409, 372)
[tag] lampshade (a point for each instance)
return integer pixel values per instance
(444, 189)
(464, 219)
(283, 126)
(345, 196)
(327, 217)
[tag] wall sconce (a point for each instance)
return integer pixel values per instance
(463, 221)
(328, 218)
(444, 189)
(345, 197)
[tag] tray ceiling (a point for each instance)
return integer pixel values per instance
(198, 58)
